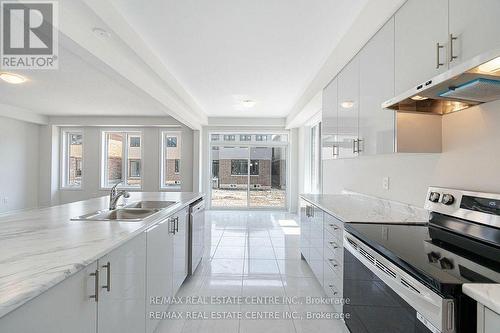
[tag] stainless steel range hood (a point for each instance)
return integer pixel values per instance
(474, 82)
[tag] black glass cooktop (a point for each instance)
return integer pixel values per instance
(420, 250)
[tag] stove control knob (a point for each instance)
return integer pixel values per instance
(434, 197)
(448, 199)
(446, 263)
(433, 257)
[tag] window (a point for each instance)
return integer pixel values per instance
(171, 141)
(122, 159)
(261, 137)
(245, 137)
(240, 167)
(254, 167)
(215, 137)
(134, 168)
(72, 160)
(171, 160)
(135, 141)
(230, 137)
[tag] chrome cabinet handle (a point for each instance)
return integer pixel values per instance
(108, 277)
(334, 245)
(335, 151)
(334, 226)
(354, 146)
(96, 285)
(176, 224)
(333, 262)
(358, 146)
(452, 56)
(438, 61)
(171, 227)
(334, 291)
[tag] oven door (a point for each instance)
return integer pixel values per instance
(380, 298)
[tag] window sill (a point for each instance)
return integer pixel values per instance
(68, 188)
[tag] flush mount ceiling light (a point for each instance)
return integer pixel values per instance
(12, 78)
(419, 98)
(490, 66)
(101, 33)
(347, 104)
(248, 103)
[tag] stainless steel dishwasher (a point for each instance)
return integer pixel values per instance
(196, 235)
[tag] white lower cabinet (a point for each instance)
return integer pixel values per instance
(180, 248)
(64, 308)
(321, 246)
(113, 295)
(122, 281)
(488, 321)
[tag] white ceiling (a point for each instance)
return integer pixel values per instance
(82, 85)
(224, 51)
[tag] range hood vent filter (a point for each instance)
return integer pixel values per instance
(478, 90)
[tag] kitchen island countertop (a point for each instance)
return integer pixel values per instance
(41, 247)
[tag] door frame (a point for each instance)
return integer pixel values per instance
(270, 144)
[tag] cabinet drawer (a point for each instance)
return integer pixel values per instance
(333, 288)
(333, 226)
(333, 267)
(332, 246)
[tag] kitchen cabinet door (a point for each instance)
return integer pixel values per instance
(305, 229)
(122, 300)
(180, 249)
(159, 269)
(491, 321)
(329, 121)
(420, 26)
(476, 25)
(348, 109)
(66, 307)
(376, 71)
(316, 241)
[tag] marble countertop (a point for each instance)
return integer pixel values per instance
(354, 207)
(487, 294)
(41, 247)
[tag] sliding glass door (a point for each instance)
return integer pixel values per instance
(248, 171)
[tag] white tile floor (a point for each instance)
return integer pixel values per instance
(251, 254)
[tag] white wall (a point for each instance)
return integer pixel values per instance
(19, 161)
(470, 160)
(151, 127)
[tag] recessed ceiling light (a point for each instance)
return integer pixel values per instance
(101, 33)
(347, 104)
(248, 103)
(12, 78)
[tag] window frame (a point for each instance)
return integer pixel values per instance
(64, 159)
(164, 133)
(125, 163)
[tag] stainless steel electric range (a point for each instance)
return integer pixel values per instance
(408, 278)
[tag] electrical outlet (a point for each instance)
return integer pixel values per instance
(5, 200)
(385, 183)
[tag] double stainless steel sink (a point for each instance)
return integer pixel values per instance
(133, 212)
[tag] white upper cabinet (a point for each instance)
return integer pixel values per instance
(476, 27)
(376, 71)
(329, 122)
(348, 109)
(421, 37)
(122, 278)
